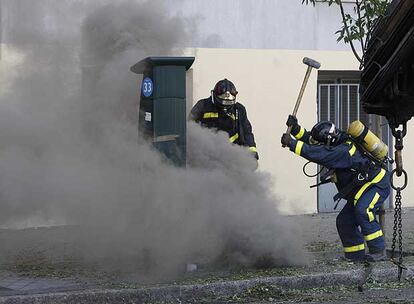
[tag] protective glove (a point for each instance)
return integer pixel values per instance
(292, 121)
(286, 140)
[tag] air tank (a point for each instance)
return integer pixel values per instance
(369, 140)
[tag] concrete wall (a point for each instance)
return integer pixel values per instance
(268, 82)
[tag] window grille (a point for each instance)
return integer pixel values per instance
(340, 104)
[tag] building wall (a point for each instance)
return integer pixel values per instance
(408, 163)
(259, 44)
(262, 24)
(258, 24)
(268, 82)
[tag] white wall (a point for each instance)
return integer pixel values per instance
(268, 82)
(262, 24)
(408, 163)
(259, 24)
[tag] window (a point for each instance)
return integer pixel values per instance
(338, 101)
(338, 98)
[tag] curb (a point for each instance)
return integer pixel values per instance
(196, 293)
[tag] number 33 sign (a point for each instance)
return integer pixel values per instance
(147, 87)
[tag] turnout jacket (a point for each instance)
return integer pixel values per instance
(233, 120)
(354, 172)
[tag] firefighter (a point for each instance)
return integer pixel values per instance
(362, 182)
(222, 112)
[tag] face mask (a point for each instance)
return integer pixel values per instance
(227, 99)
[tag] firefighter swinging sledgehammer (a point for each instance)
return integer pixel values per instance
(360, 180)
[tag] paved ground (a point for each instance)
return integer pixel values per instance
(11, 284)
(321, 229)
(29, 273)
(390, 295)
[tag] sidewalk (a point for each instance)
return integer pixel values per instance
(265, 289)
(68, 282)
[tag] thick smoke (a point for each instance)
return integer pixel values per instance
(69, 151)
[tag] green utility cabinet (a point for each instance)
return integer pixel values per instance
(162, 108)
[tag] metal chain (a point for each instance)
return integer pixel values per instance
(397, 226)
(398, 171)
(397, 205)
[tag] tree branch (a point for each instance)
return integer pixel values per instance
(369, 23)
(347, 32)
(361, 29)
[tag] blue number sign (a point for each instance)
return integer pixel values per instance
(147, 87)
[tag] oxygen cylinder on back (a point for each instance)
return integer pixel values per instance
(375, 146)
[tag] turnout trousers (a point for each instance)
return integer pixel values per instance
(357, 223)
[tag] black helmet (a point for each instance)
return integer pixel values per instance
(225, 93)
(325, 132)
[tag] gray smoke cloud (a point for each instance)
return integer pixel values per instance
(70, 153)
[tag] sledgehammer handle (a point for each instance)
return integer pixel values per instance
(302, 90)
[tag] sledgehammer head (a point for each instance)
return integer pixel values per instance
(312, 63)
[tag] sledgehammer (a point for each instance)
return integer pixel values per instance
(311, 64)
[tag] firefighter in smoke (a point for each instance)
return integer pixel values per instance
(221, 111)
(360, 180)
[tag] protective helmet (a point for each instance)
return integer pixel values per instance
(225, 93)
(325, 132)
